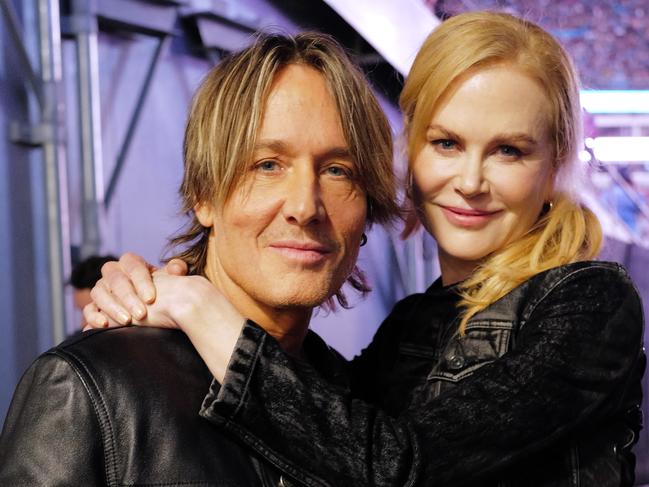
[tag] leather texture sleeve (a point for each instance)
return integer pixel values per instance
(38, 446)
(575, 357)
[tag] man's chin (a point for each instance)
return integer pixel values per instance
(300, 302)
(302, 297)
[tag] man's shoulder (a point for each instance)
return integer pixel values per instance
(123, 336)
(132, 357)
(132, 395)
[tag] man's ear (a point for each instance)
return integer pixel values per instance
(205, 214)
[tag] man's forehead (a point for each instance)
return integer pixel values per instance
(282, 147)
(301, 115)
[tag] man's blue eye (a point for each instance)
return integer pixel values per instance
(267, 165)
(509, 150)
(338, 171)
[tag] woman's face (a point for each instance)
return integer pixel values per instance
(485, 171)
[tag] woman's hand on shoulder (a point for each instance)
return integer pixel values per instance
(125, 290)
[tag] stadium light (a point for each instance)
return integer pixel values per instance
(615, 101)
(621, 149)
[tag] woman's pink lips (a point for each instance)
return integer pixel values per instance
(467, 217)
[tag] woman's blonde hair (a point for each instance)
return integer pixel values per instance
(226, 114)
(566, 230)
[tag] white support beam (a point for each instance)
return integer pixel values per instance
(395, 29)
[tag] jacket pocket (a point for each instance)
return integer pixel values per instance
(483, 342)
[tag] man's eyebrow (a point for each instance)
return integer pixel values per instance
(272, 145)
(336, 153)
(281, 147)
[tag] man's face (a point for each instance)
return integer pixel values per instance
(289, 235)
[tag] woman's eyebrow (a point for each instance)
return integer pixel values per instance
(516, 137)
(446, 132)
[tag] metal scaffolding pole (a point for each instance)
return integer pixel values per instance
(163, 42)
(84, 27)
(16, 34)
(55, 160)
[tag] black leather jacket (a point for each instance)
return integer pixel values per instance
(543, 390)
(120, 407)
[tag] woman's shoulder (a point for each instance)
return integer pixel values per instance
(600, 286)
(594, 273)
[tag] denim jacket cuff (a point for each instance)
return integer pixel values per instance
(223, 401)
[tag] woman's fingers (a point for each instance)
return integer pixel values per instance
(176, 267)
(119, 284)
(111, 304)
(139, 274)
(94, 318)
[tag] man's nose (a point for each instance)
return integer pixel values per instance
(470, 180)
(303, 203)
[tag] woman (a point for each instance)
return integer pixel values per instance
(522, 364)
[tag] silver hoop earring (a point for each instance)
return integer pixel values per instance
(363, 240)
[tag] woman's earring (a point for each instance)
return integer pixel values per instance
(363, 239)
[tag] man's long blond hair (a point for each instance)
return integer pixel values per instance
(226, 114)
(566, 231)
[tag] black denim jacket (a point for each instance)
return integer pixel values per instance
(543, 390)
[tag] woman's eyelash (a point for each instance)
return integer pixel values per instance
(444, 143)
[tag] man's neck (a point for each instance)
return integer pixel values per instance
(288, 327)
(287, 324)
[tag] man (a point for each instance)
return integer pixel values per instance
(287, 159)
(83, 278)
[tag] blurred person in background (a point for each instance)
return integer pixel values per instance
(83, 278)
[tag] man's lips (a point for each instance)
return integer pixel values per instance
(468, 217)
(307, 252)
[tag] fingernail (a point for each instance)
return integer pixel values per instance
(124, 318)
(138, 312)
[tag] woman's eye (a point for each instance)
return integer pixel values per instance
(444, 144)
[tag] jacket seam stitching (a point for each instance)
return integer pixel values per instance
(100, 409)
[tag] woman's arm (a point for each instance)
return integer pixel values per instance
(572, 363)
